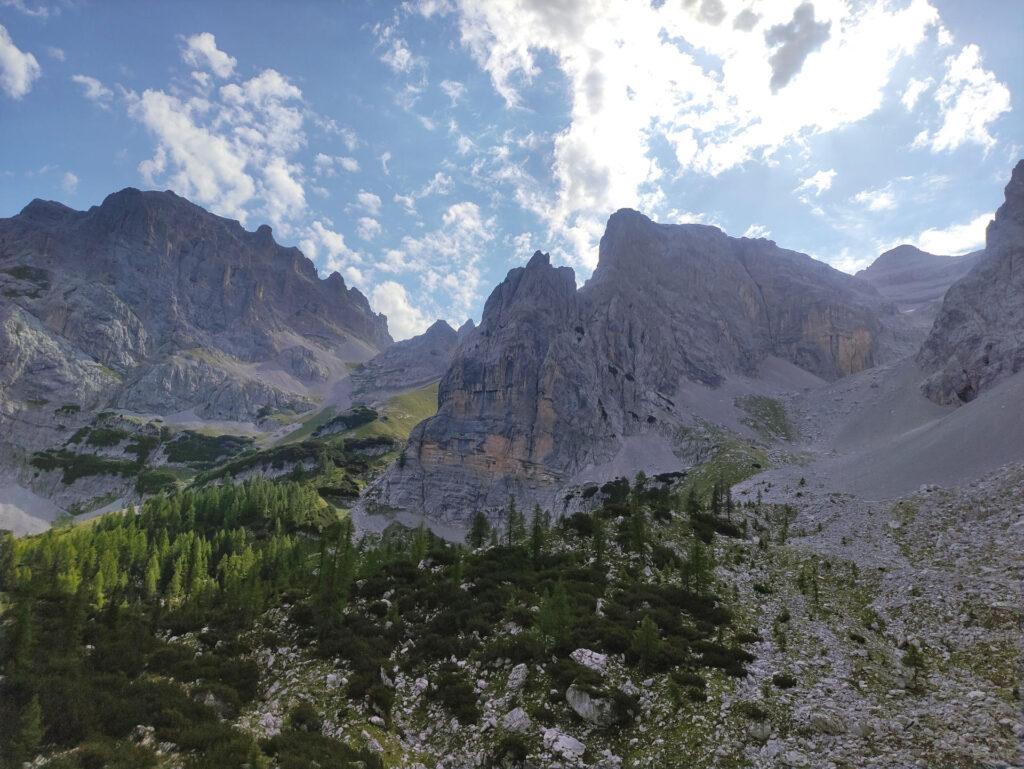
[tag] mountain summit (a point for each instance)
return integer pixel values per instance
(148, 302)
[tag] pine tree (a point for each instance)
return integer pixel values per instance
(30, 733)
(479, 530)
(692, 502)
(599, 541)
(152, 575)
(420, 543)
(538, 532)
(646, 644)
(728, 503)
(516, 524)
(554, 620)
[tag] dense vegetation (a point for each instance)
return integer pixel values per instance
(141, 629)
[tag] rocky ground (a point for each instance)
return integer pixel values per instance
(890, 637)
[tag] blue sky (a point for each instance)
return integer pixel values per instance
(424, 148)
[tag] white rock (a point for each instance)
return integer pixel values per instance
(517, 721)
(590, 659)
(565, 745)
(517, 678)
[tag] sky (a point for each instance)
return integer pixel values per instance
(422, 149)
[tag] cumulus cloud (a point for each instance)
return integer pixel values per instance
(230, 149)
(321, 243)
(757, 231)
(404, 320)
(57, 54)
(18, 69)
(69, 182)
(445, 261)
(642, 74)
(201, 51)
(368, 202)
(94, 90)
(970, 99)
(745, 20)
(367, 228)
(881, 199)
(327, 165)
(956, 239)
(796, 40)
(398, 56)
(915, 88)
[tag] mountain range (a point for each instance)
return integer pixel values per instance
(149, 310)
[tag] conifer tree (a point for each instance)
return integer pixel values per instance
(29, 734)
(479, 530)
(152, 575)
(692, 502)
(516, 524)
(646, 644)
(554, 620)
(539, 532)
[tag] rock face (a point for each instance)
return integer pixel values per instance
(408, 364)
(555, 380)
(978, 336)
(150, 303)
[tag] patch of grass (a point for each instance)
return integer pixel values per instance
(733, 460)
(767, 416)
(400, 414)
(311, 425)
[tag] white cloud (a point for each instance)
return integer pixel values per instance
(55, 53)
(325, 165)
(404, 320)
(757, 231)
(41, 11)
(817, 183)
(367, 228)
(632, 80)
(970, 99)
(955, 240)
(18, 69)
(385, 158)
(398, 56)
(446, 260)
(201, 51)
(440, 184)
(454, 90)
(368, 202)
(881, 199)
(232, 154)
(915, 88)
(94, 90)
(321, 242)
(408, 202)
(69, 183)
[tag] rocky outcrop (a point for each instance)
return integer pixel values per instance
(978, 336)
(175, 307)
(408, 364)
(555, 380)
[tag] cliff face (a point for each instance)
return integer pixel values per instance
(408, 364)
(150, 303)
(556, 380)
(978, 336)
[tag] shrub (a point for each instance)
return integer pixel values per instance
(783, 681)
